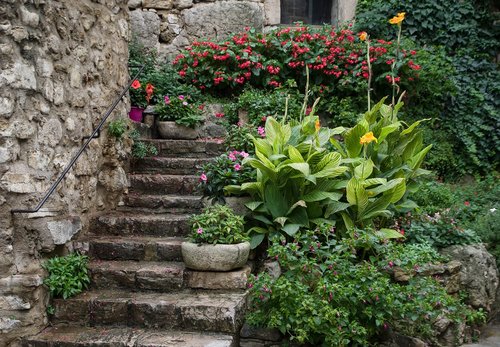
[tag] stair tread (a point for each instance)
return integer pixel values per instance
(133, 265)
(143, 216)
(186, 298)
(135, 239)
(89, 336)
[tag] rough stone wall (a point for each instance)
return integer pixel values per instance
(62, 63)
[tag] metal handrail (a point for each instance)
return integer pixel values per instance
(87, 141)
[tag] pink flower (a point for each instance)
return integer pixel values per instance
(185, 103)
(261, 131)
(231, 156)
(391, 264)
(203, 177)
(199, 231)
(167, 99)
(244, 154)
(237, 167)
(467, 203)
(181, 97)
(219, 115)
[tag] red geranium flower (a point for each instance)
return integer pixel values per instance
(136, 84)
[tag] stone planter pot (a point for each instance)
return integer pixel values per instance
(172, 130)
(207, 257)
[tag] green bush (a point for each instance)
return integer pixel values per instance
(117, 128)
(326, 296)
(433, 197)
(238, 138)
(141, 149)
(68, 275)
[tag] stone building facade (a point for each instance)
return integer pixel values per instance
(62, 63)
(170, 25)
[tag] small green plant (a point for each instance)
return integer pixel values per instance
(217, 224)
(117, 128)
(141, 149)
(179, 109)
(225, 170)
(68, 275)
(51, 310)
(237, 138)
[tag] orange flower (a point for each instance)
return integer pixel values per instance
(363, 35)
(398, 19)
(317, 125)
(367, 138)
(136, 84)
(149, 91)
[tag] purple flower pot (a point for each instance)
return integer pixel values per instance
(136, 113)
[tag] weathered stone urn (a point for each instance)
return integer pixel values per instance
(220, 257)
(172, 130)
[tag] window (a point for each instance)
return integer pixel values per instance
(314, 12)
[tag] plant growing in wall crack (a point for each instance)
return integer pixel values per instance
(68, 275)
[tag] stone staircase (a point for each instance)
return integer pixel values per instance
(141, 293)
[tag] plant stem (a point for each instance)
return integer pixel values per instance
(369, 74)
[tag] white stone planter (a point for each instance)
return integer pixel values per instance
(172, 130)
(208, 257)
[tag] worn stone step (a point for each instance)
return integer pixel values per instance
(169, 165)
(163, 184)
(137, 275)
(162, 276)
(200, 148)
(201, 311)
(163, 203)
(75, 336)
(136, 248)
(168, 225)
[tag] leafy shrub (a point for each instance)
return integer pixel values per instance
(486, 227)
(327, 297)
(141, 149)
(117, 128)
(68, 275)
(238, 137)
(179, 109)
(226, 169)
(433, 197)
(217, 224)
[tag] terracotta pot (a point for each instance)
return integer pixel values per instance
(136, 113)
(208, 257)
(172, 130)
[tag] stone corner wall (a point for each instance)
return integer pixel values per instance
(62, 63)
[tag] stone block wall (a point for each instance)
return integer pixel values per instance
(62, 63)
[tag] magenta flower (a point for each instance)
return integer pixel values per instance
(244, 154)
(181, 97)
(261, 131)
(199, 231)
(203, 177)
(231, 156)
(167, 99)
(219, 115)
(237, 167)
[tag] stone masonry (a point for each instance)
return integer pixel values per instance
(168, 26)
(62, 63)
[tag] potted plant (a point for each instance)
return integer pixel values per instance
(218, 242)
(140, 95)
(223, 171)
(177, 117)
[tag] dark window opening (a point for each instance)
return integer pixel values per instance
(314, 12)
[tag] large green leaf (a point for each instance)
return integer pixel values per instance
(291, 229)
(295, 155)
(263, 146)
(256, 240)
(332, 158)
(331, 171)
(413, 126)
(349, 224)
(302, 167)
(264, 160)
(356, 195)
(387, 130)
(257, 164)
(385, 187)
(334, 207)
(321, 195)
(276, 201)
(389, 233)
(253, 205)
(416, 160)
(273, 130)
(398, 191)
(363, 170)
(373, 181)
(375, 207)
(352, 138)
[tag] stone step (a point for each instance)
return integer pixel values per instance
(136, 248)
(74, 336)
(137, 275)
(162, 276)
(168, 165)
(163, 184)
(163, 203)
(200, 148)
(168, 225)
(200, 311)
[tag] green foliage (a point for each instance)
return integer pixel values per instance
(141, 149)
(117, 128)
(433, 196)
(238, 137)
(326, 296)
(179, 109)
(68, 275)
(458, 85)
(224, 170)
(217, 224)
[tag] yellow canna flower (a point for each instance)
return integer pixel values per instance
(398, 19)
(363, 35)
(367, 138)
(317, 125)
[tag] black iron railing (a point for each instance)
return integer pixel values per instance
(88, 139)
